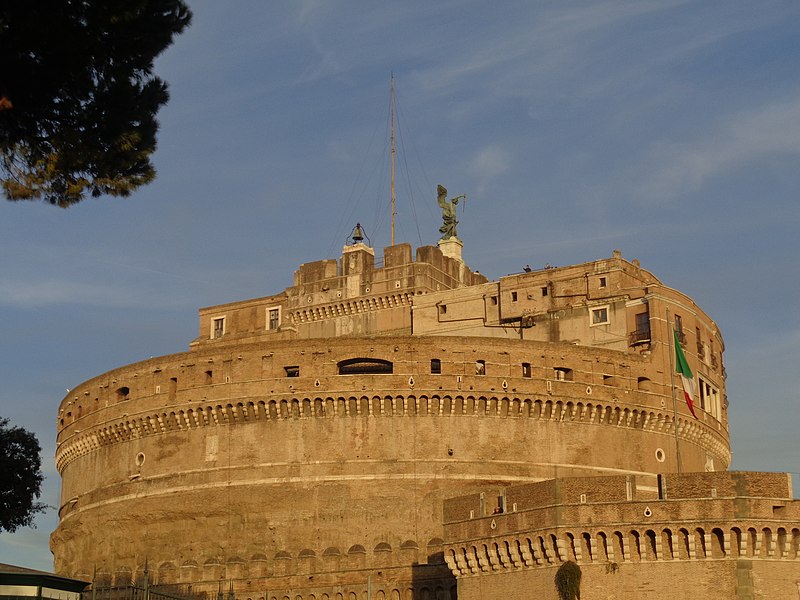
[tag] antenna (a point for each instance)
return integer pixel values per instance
(393, 211)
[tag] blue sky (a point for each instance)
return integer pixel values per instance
(667, 129)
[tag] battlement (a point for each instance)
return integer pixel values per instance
(355, 295)
(614, 526)
(581, 493)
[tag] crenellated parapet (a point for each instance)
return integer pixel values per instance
(613, 546)
(622, 523)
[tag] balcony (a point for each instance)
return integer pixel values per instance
(640, 336)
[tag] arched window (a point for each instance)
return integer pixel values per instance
(365, 366)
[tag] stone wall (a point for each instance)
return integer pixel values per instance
(258, 450)
(716, 535)
(307, 441)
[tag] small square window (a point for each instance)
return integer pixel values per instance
(443, 309)
(218, 328)
(436, 366)
(600, 315)
(513, 296)
(526, 370)
(480, 367)
(544, 291)
(293, 371)
(602, 282)
(493, 300)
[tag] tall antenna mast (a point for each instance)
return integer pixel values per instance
(393, 211)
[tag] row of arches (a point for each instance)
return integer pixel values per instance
(281, 555)
(101, 587)
(379, 592)
(260, 564)
(634, 545)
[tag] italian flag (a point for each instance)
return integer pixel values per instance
(687, 379)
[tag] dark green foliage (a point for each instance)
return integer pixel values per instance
(20, 477)
(568, 581)
(78, 99)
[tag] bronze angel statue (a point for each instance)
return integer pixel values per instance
(448, 228)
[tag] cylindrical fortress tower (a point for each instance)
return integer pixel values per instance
(300, 465)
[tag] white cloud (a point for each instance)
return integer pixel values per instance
(43, 293)
(676, 168)
(535, 46)
(491, 162)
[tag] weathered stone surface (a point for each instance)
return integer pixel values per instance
(307, 440)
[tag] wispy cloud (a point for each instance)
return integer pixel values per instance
(675, 168)
(33, 294)
(535, 44)
(491, 162)
(48, 292)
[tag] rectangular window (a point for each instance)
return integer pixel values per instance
(600, 315)
(544, 291)
(493, 300)
(436, 366)
(526, 370)
(480, 367)
(273, 318)
(562, 374)
(602, 282)
(641, 335)
(218, 328)
(513, 296)
(709, 398)
(679, 329)
(293, 371)
(443, 309)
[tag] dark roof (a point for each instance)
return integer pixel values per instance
(12, 574)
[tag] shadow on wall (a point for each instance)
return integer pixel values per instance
(432, 581)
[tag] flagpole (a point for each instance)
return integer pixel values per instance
(393, 199)
(672, 387)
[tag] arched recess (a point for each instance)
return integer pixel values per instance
(717, 543)
(736, 542)
(365, 366)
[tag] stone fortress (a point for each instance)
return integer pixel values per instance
(403, 428)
